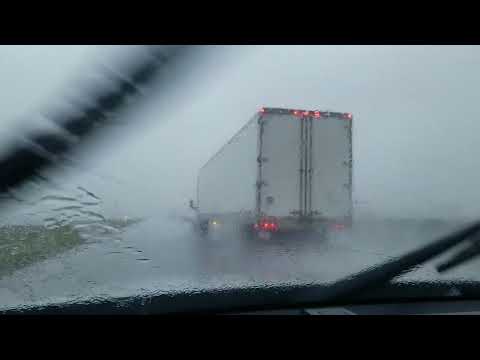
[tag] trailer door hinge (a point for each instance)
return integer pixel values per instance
(259, 184)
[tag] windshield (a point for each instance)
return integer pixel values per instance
(140, 212)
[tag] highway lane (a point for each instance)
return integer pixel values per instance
(162, 255)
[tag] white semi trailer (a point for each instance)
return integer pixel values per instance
(286, 170)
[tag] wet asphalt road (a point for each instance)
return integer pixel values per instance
(161, 255)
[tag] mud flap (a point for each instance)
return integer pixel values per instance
(264, 235)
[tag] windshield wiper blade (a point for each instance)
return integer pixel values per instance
(379, 275)
(461, 257)
(43, 149)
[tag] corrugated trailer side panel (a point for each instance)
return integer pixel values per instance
(227, 182)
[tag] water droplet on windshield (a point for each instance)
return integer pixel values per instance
(57, 198)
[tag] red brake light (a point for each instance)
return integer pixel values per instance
(265, 224)
(347, 116)
(338, 226)
(317, 114)
(297, 113)
(262, 111)
(306, 113)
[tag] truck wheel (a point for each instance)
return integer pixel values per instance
(248, 233)
(204, 228)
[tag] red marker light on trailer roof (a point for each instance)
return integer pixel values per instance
(338, 226)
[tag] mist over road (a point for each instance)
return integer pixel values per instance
(163, 254)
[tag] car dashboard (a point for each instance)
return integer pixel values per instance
(410, 308)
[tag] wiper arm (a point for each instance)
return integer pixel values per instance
(380, 275)
(461, 257)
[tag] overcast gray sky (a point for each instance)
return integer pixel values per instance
(416, 119)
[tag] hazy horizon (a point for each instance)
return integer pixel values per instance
(414, 130)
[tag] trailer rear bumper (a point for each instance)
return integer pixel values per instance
(295, 225)
(306, 224)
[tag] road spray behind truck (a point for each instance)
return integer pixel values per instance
(284, 171)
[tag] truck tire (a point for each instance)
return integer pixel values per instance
(203, 227)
